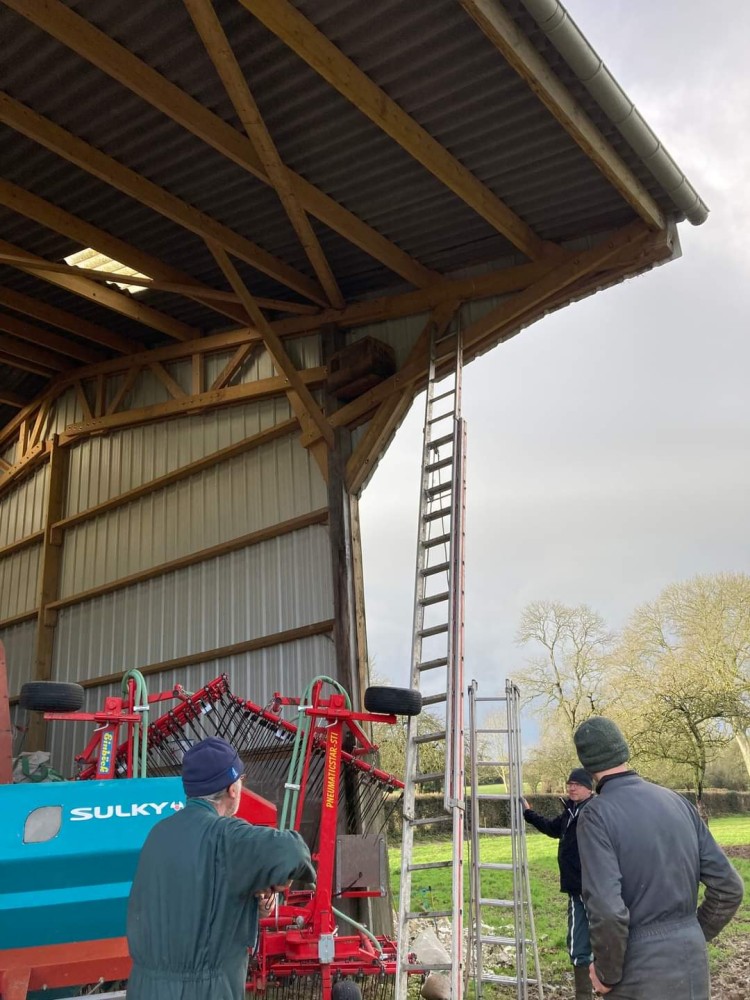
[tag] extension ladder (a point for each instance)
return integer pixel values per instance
(516, 903)
(437, 656)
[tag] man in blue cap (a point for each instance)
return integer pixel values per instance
(579, 787)
(193, 910)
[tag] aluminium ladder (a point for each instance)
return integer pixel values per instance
(517, 902)
(437, 659)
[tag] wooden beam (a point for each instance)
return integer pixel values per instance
(83, 399)
(24, 465)
(518, 51)
(209, 28)
(174, 389)
(304, 405)
(43, 338)
(394, 407)
(19, 619)
(9, 398)
(107, 297)
(42, 418)
(262, 389)
(126, 385)
(50, 564)
(21, 543)
(24, 366)
(198, 367)
(98, 164)
(193, 558)
(65, 321)
(280, 430)
(29, 352)
(116, 61)
(6, 729)
(311, 45)
(232, 366)
(163, 277)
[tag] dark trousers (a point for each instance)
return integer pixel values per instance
(579, 944)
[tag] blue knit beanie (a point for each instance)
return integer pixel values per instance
(210, 766)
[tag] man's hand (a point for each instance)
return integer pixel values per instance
(265, 903)
(525, 803)
(598, 985)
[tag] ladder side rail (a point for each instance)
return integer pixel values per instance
(476, 881)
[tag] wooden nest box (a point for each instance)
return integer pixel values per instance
(358, 367)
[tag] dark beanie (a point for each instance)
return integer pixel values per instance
(600, 744)
(210, 766)
(581, 777)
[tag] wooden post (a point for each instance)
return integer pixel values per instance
(49, 581)
(6, 731)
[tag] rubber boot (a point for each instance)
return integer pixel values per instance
(583, 982)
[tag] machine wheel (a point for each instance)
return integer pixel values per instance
(346, 989)
(51, 696)
(393, 701)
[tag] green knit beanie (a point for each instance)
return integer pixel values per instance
(600, 744)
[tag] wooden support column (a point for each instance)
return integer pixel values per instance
(6, 731)
(49, 582)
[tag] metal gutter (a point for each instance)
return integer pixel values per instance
(569, 41)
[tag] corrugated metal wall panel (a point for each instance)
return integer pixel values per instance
(19, 581)
(19, 653)
(22, 509)
(66, 410)
(401, 334)
(281, 584)
(260, 488)
(288, 668)
(103, 467)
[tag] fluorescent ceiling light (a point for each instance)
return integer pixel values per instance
(100, 262)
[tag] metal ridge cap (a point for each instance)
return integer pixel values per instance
(573, 46)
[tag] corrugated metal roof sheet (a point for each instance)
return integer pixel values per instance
(432, 59)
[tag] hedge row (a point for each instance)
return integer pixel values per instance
(716, 802)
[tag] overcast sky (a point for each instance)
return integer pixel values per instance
(608, 444)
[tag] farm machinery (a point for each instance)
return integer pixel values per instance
(68, 850)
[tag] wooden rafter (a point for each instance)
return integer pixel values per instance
(107, 297)
(43, 338)
(127, 384)
(116, 61)
(518, 51)
(217, 45)
(83, 399)
(8, 398)
(162, 277)
(109, 170)
(300, 397)
(174, 389)
(37, 356)
(64, 320)
(230, 369)
(311, 45)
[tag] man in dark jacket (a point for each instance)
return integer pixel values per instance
(563, 828)
(644, 849)
(193, 910)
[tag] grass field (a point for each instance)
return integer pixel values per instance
(432, 888)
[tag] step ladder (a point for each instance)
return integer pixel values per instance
(437, 663)
(511, 894)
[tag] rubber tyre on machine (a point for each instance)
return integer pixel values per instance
(346, 989)
(393, 701)
(51, 696)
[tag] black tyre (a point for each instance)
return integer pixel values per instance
(393, 701)
(51, 696)
(346, 989)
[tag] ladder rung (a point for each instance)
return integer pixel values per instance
(498, 831)
(438, 540)
(421, 779)
(429, 865)
(441, 661)
(499, 940)
(439, 488)
(491, 730)
(490, 699)
(437, 514)
(443, 395)
(425, 633)
(432, 967)
(439, 442)
(430, 737)
(497, 902)
(435, 699)
(437, 568)
(500, 797)
(428, 914)
(496, 866)
(442, 463)
(434, 599)
(425, 821)
(493, 763)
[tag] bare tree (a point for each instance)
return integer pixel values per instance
(568, 677)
